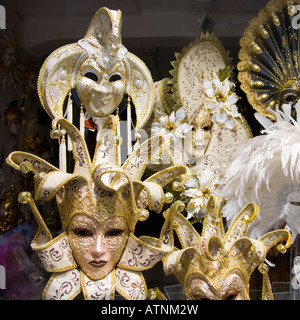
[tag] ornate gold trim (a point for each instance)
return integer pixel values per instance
(263, 93)
(180, 58)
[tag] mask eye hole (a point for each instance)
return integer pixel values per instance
(115, 77)
(80, 232)
(290, 97)
(114, 233)
(92, 76)
(206, 128)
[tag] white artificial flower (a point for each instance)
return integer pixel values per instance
(199, 188)
(173, 126)
(221, 100)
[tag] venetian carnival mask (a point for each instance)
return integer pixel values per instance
(97, 245)
(198, 139)
(215, 265)
(100, 90)
(101, 70)
(99, 205)
(207, 145)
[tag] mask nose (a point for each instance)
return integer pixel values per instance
(99, 248)
(103, 86)
(199, 137)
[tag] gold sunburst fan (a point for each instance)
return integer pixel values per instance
(269, 64)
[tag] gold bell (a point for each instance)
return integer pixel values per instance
(263, 268)
(24, 197)
(152, 294)
(281, 248)
(55, 134)
(175, 225)
(168, 198)
(180, 206)
(25, 167)
(176, 186)
(143, 215)
(246, 219)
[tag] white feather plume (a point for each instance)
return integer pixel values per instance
(262, 168)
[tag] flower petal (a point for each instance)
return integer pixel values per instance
(180, 115)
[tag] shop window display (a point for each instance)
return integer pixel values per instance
(215, 229)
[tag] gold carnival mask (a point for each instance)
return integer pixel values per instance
(97, 244)
(99, 205)
(215, 265)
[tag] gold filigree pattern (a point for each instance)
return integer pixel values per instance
(100, 203)
(216, 265)
(196, 61)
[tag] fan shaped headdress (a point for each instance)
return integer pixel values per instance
(99, 189)
(215, 265)
(187, 92)
(269, 57)
(202, 57)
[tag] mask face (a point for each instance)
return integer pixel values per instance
(196, 144)
(100, 90)
(232, 287)
(292, 210)
(290, 94)
(97, 245)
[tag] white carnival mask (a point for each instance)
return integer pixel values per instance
(196, 146)
(101, 70)
(100, 90)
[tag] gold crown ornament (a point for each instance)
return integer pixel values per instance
(99, 205)
(217, 265)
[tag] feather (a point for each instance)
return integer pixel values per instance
(262, 170)
(265, 122)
